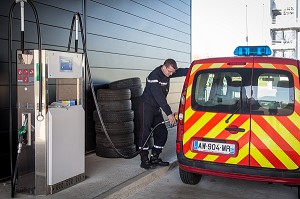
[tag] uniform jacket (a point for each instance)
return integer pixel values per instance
(157, 88)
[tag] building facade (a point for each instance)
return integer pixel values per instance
(285, 28)
(125, 39)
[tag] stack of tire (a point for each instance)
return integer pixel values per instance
(115, 109)
(135, 86)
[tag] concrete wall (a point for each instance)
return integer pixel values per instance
(125, 38)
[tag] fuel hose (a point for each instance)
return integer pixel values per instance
(78, 16)
(40, 117)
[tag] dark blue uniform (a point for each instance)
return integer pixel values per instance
(153, 100)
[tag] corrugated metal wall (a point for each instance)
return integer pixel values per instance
(125, 38)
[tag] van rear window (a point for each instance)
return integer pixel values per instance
(230, 91)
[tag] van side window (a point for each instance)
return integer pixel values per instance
(273, 92)
(219, 90)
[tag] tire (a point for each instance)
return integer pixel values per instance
(114, 117)
(135, 103)
(109, 94)
(126, 83)
(115, 128)
(124, 140)
(120, 105)
(110, 152)
(136, 91)
(189, 178)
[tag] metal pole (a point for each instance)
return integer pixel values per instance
(22, 25)
(296, 31)
(247, 37)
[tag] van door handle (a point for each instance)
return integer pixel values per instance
(234, 129)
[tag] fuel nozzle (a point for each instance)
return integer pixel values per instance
(176, 116)
(22, 132)
(23, 129)
(168, 122)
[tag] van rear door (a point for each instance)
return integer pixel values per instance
(217, 111)
(275, 127)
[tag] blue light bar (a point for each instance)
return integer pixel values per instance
(252, 51)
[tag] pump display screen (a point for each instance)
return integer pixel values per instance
(66, 64)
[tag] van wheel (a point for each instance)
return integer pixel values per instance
(189, 178)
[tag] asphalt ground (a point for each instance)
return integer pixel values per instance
(213, 187)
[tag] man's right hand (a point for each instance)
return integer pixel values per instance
(172, 119)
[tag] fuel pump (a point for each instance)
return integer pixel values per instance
(50, 112)
(50, 116)
(57, 143)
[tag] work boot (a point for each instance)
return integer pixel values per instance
(155, 160)
(145, 163)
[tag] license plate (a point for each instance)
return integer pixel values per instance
(214, 147)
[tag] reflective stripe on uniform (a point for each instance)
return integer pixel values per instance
(158, 147)
(156, 81)
(146, 148)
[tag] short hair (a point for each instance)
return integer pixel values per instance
(171, 62)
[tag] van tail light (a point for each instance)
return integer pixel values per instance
(181, 109)
(180, 117)
(178, 147)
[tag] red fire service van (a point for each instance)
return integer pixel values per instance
(239, 117)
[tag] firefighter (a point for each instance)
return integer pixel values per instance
(153, 102)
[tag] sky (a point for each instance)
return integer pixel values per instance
(219, 26)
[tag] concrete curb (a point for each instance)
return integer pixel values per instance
(133, 185)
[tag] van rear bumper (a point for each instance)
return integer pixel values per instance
(239, 172)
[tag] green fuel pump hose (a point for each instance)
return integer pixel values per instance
(21, 133)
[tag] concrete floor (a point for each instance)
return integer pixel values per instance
(108, 177)
(115, 178)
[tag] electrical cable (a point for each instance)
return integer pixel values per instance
(95, 98)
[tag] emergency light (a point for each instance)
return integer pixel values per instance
(252, 51)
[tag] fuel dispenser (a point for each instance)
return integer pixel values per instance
(50, 113)
(52, 156)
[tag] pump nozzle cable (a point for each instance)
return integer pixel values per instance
(40, 115)
(71, 31)
(10, 94)
(94, 94)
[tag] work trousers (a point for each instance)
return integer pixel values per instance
(150, 117)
